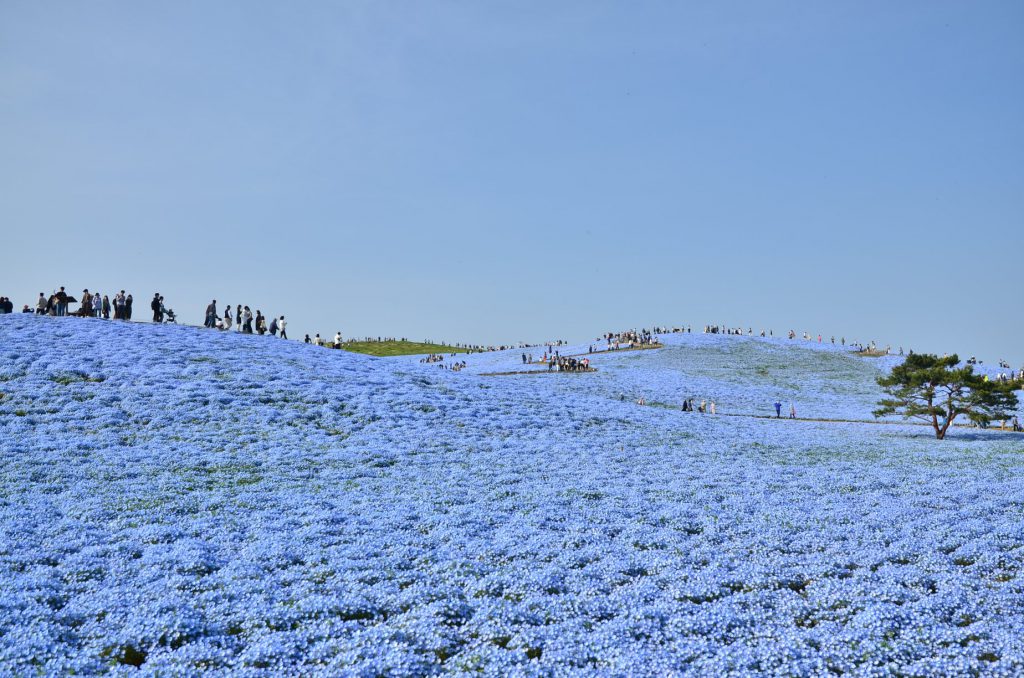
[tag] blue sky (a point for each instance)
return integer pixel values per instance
(523, 171)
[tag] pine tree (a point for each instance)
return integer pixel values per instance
(937, 391)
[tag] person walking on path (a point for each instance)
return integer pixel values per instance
(713, 407)
(778, 410)
(281, 326)
(792, 411)
(273, 326)
(211, 314)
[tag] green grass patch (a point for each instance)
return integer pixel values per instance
(393, 348)
(66, 378)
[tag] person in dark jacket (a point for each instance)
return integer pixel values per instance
(211, 314)
(86, 309)
(155, 305)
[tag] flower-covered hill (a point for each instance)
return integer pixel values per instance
(179, 501)
(743, 375)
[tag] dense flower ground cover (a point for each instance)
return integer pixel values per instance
(180, 502)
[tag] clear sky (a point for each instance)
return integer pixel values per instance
(506, 171)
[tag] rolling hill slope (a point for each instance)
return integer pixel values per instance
(188, 501)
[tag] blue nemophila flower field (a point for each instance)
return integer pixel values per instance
(183, 502)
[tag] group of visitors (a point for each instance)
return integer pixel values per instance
(7, 306)
(737, 331)
(160, 312)
(629, 338)
(244, 321)
(566, 364)
(91, 305)
(319, 341)
(704, 408)
(778, 410)
(465, 348)
(456, 366)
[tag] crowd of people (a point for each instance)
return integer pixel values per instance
(738, 331)
(91, 305)
(244, 321)
(567, 364)
(628, 339)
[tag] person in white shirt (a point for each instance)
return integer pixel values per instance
(280, 326)
(337, 340)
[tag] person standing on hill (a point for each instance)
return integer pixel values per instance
(106, 307)
(128, 307)
(119, 300)
(238, 317)
(211, 314)
(86, 309)
(97, 305)
(337, 340)
(712, 406)
(273, 326)
(155, 305)
(41, 304)
(778, 410)
(281, 325)
(62, 302)
(792, 411)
